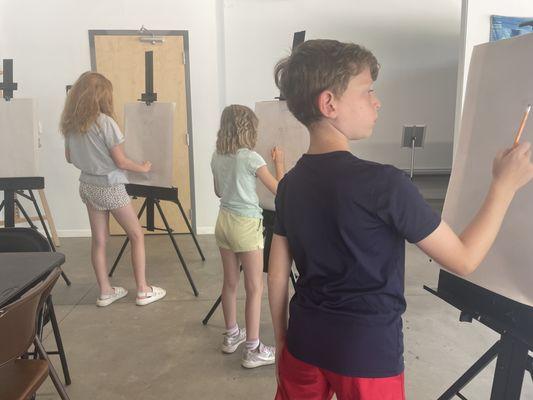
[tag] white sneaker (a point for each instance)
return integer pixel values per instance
(262, 355)
(230, 343)
(107, 299)
(144, 298)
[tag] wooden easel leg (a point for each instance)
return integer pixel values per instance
(49, 218)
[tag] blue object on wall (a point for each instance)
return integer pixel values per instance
(507, 27)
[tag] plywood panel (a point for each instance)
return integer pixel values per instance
(498, 90)
(121, 59)
(18, 138)
(278, 127)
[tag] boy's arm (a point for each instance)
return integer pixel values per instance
(279, 268)
(462, 254)
(123, 162)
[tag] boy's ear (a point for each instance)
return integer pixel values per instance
(326, 104)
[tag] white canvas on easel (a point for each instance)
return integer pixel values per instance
(500, 85)
(278, 127)
(18, 138)
(149, 137)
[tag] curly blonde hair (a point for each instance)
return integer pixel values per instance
(238, 129)
(91, 95)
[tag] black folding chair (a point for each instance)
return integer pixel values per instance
(14, 240)
(20, 377)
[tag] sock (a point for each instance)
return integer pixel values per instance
(252, 344)
(233, 331)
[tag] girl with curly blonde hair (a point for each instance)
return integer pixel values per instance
(93, 143)
(239, 227)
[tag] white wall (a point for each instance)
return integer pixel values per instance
(416, 43)
(234, 45)
(475, 29)
(50, 46)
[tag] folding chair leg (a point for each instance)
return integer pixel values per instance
(52, 372)
(59, 342)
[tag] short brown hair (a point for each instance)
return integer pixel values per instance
(318, 65)
(238, 129)
(90, 96)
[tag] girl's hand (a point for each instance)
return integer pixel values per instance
(512, 168)
(278, 156)
(146, 166)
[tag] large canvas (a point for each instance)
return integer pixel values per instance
(278, 127)
(500, 86)
(18, 138)
(148, 131)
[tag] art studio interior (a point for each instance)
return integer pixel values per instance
(147, 251)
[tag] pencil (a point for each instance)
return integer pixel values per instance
(522, 125)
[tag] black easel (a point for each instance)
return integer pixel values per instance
(297, 39)
(512, 320)
(8, 86)
(13, 186)
(268, 216)
(154, 195)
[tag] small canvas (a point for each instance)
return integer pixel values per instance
(500, 86)
(18, 138)
(278, 127)
(149, 137)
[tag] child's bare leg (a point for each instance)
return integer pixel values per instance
(252, 263)
(127, 219)
(230, 263)
(99, 221)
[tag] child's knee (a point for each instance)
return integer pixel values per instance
(231, 284)
(136, 236)
(254, 287)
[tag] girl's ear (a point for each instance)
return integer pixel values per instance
(326, 104)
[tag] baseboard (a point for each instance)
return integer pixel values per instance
(205, 230)
(201, 230)
(74, 233)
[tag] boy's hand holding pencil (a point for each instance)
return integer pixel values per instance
(512, 168)
(522, 125)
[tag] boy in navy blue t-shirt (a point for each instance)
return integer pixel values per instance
(344, 222)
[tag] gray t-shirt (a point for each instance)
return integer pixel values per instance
(235, 179)
(91, 152)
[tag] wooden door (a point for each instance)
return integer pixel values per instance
(120, 57)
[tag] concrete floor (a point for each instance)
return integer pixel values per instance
(163, 351)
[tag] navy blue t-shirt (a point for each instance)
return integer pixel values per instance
(346, 221)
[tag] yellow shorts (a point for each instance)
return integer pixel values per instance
(237, 233)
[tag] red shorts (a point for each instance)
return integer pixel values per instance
(300, 380)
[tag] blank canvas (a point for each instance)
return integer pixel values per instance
(278, 127)
(148, 131)
(18, 138)
(500, 85)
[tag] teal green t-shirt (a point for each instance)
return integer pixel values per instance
(235, 180)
